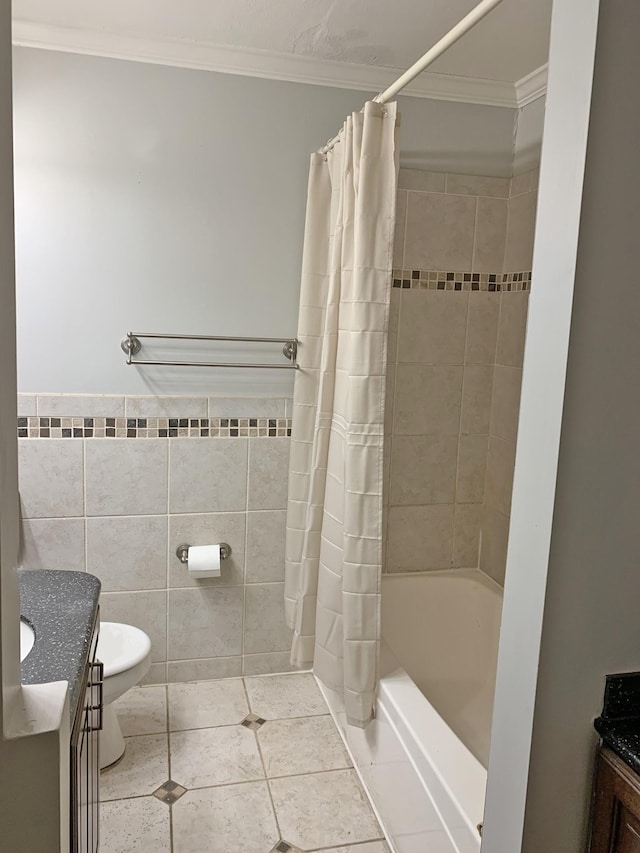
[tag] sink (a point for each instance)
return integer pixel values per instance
(27, 639)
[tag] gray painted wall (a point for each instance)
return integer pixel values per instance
(173, 200)
(528, 140)
(591, 622)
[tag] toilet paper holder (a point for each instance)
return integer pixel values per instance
(182, 552)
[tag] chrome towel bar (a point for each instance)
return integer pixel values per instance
(131, 345)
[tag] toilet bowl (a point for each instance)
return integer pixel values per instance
(125, 652)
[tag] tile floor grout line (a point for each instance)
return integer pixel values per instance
(264, 767)
(232, 725)
(239, 782)
(166, 699)
(354, 844)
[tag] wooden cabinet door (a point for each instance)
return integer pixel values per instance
(627, 836)
(616, 808)
(85, 767)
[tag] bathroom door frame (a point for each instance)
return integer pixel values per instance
(572, 584)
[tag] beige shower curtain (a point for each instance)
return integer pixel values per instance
(334, 518)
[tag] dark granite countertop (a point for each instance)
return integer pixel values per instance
(619, 723)
(61, 607)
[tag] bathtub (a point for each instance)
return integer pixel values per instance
(423, 759)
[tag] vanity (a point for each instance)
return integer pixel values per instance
(616, 808)
(60, 618)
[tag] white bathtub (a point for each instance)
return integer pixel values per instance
(423, 758)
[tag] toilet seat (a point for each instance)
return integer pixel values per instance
(121, 647)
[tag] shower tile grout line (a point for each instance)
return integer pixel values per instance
(244, 568)
(168, 572)
(459, 436)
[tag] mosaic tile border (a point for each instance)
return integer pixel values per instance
(40, 427)
(462, 281)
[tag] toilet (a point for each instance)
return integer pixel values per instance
(125, 652)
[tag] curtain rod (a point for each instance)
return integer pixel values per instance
(455, 33)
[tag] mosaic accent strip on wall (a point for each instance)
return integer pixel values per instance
(37, 427)
(466, 281)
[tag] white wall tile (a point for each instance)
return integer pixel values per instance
(427, 400)
(439, 234)
(495, 537)
(51, 478)
(432, 328)
(205, 623)
(482, 328)
(265, 629)
(80, 406)
(208, 529)
(270, 662)
(203, 669)
(420, 538)
(144, 610)
(247, 407)
(512, 329)
(53, 543)
(499, 482)
(157, 674)
(126, 477)
(466, 542)
(27, 407)
(421, 180)
(472, 464)
(268, 473)
(166, 407)
(505, 403)
(266, 534)
(481, 185)
(128, 553)
(476, 399)
(208, 475)
(490, 237)
(423, 469)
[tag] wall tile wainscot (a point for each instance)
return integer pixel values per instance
(120, 482)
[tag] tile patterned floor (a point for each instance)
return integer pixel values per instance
(251, 765)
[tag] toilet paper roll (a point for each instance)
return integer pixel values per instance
(204, 561)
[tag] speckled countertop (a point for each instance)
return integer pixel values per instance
(619, 723)
(61, 607)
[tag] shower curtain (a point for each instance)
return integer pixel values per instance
(334, 516)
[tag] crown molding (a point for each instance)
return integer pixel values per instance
(533, 86)
(257, 63)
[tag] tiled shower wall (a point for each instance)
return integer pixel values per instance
(507, 381)
(119, 507)
(462, 263)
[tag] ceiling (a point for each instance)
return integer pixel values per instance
(342, 37)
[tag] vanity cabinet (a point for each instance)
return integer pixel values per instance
(616, 810)
(85, 766)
